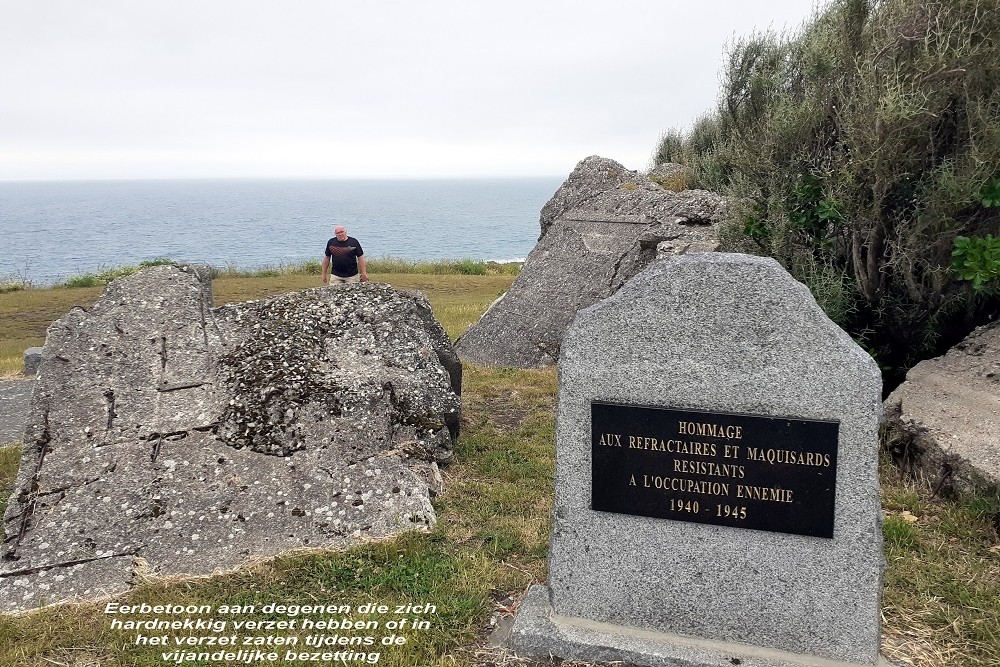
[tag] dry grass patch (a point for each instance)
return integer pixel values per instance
(10, 459)
(505, 397)
(457, 300)
(942, 584)
(25, 316)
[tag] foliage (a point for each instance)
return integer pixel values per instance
(860, 148)
(12, 286)
(107, 275)
(312, 267)
(989, 195)
(670, 148)
(977, 259)
(468, 267)
(465, 267)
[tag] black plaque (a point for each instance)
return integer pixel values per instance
(746, 471)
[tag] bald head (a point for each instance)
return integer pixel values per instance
(340, 232)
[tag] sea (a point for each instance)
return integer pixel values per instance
(52, 230)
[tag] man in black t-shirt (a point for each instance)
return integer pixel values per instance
(344, 257)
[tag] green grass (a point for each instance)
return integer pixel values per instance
(942, 582)
(458, 299)
(10, 456)
(465, 267)
(312, 267)
(107, 275)
(26, 314)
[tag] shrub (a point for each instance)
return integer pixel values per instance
(312, 267)
(86, 280)
(857, 151)
(977, 259)
(503, 268)
(670, 148)
(107, 275)
(470, 267)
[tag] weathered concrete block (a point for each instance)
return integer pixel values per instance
(600, 228)
(32, 359)
(194, 439)
(944, 420)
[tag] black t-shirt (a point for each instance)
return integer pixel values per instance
(343, 256)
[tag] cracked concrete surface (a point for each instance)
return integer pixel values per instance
(184, 439)
(943, 422)
(14, 396)
(601, 227)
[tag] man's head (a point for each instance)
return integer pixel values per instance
(340, 232)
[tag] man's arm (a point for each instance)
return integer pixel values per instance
(363, 265)
(326, 265)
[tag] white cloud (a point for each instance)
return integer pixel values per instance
(115, 88)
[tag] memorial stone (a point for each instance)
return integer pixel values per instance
(717, 499)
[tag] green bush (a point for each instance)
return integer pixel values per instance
(857, 151)
(468, 267)
(107, 275)
(977, 259)
(670, 148)
(312, 267)
(86, 280)
(7, 286)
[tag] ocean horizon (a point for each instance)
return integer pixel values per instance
(56, 229)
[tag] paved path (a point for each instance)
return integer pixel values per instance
(14, 395)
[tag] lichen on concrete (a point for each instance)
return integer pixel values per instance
(192, 439)
(602, 226)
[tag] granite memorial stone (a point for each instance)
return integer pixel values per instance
(717, 500)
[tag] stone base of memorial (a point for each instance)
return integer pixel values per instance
(538, 631)
(716, 490)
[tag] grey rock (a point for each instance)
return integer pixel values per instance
(14, 397)
(32, 359)
(719, 333)
(602, 226)
(602, 187)
(943, 421)
(193, 439)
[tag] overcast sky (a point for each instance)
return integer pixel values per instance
(327, 88)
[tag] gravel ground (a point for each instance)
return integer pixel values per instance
(14, 395)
